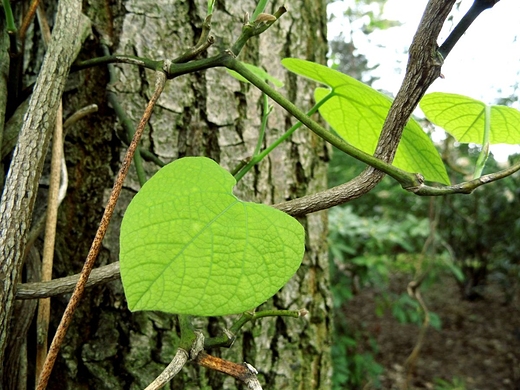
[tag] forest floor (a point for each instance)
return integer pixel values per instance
(478, 344)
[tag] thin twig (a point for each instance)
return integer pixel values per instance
(414, 292)
(205, 41)
(469, 17)
(28, 19)
(243, 372)
(44, 306)
(179, 360)
(96, 244)
(123, 117)
(81, 113)
(228, 338)
(53, 202)
(44, 26)
(38, 225)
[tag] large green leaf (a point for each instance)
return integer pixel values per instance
(464, 118)
(357, 113)
(189, 246)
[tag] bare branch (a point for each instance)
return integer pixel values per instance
(424, 67)
(179, 360)
(22, 181)
(243, 372)
(100, 275)
(351, 190)
(476, 9)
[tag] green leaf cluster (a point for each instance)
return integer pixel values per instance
(357, 113)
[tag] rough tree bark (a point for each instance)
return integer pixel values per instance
(207, 114)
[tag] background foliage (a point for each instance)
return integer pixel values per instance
(379, 240)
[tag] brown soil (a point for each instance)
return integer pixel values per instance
(479, 341)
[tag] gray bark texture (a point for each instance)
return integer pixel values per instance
(210, 114)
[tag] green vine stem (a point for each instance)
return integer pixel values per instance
(188, 336)
(205, 41)
(179, 66)
(9, 18)
(255, 28)
(118, 59)
(257, 157)
(406, 179)
(259, 9)
(211, 3)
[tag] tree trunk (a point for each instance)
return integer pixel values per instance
(210, 114)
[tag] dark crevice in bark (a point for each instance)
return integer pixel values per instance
(195, 22)
(241, 105)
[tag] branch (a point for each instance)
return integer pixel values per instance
(53, 202)
(118, 59)
(255, 28)
(28, 19)
(243, 372)
(19, 196)
(335, 196)
(466, 187)
(100, 275)
(179, 360)
(402, 176)
(424, 67)
(204, 42)
(414, 292)
(475, 10)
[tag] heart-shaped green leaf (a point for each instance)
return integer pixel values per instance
(357, 113)
(464, 118)
(189, 246)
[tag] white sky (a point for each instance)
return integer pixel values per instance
(485, 63)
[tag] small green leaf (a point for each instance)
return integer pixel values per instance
(464, 118)
(258, 72)
(189, 246)
(357, 113)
